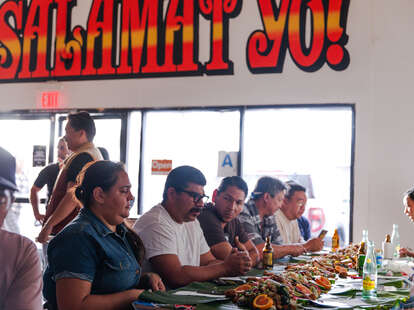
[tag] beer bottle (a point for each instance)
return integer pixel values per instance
(268, 255)
(387, 238)
(335, 241)
(387, 247)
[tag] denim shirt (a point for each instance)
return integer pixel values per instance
(88, 250)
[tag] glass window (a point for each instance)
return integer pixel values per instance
(133, 156)
(311, 146)
(187, 138)
(20, 144)
(108, 135)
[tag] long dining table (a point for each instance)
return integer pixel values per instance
(393, 292)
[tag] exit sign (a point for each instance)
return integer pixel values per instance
(50, 100)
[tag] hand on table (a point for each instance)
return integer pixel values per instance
(155, 282)
(406, 252)
(314, 245)
(238, 262)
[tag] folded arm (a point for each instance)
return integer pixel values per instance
(75, 294)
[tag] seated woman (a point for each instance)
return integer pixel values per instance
(408, 201)
(95, 261)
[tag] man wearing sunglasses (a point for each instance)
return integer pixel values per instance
(21, 275)
(287, 217)
(174, 242)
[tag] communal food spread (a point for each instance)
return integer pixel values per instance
(307, 280)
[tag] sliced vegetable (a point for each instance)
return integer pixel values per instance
(323, 282)
(262, 302)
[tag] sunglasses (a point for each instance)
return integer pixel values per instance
(196, 196)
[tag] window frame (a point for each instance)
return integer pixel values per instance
(124, 113)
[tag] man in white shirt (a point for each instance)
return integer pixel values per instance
(286, 217)
(173, 239)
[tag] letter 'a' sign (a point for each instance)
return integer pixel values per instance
(227, 164)
(161, 166)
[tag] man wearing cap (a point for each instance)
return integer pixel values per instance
(175, 246)
(21, 275)
(63, 206)
(259, 222)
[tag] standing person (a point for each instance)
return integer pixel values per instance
(47, 176)
(21, 275)
(259, 222)
(95, 261)
(63, 207)
(287, 216)
(222, 230)
(174, 242)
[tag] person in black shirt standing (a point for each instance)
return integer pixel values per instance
(47, 176)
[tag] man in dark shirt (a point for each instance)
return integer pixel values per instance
(63, 206)
(47, 177)
(221, 228)
(304, 227)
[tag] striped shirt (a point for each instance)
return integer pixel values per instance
(258, 229)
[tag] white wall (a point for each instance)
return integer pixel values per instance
(378, 81)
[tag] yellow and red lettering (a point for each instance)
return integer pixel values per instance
(100, 25)
(265, 51)
(68, 58)
(285, 28)
(183, 25)
(136, 24)
(219, 12)
(35, 38)
(153, 45)
(10, 47)
(337, 56)
(308, 59)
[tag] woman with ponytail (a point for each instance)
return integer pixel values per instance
(95, 261)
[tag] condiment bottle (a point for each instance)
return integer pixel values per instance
(268, 255)
(335, 241)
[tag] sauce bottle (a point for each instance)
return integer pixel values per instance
(335, 241)
(268, 255)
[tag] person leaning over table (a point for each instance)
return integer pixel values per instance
(174, 242)
(95, 261)
(287, 217)
(408, 201)
(257, 218)
(219, 222)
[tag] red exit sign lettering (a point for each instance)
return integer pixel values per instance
(50, 100)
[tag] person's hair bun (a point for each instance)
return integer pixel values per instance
(80, 193)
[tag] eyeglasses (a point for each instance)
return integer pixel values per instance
(196, 196)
